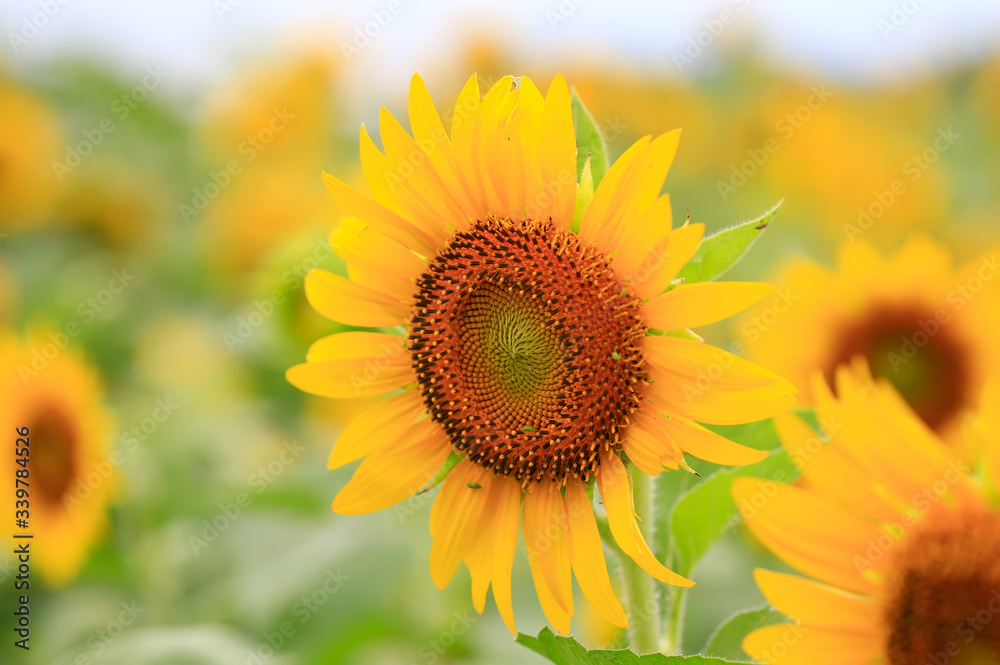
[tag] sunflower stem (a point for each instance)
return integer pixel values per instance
(675, 621)
(643, 605)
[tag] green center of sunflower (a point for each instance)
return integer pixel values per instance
(943, 592)
(527, 349)
(923, 358)
(53, 454)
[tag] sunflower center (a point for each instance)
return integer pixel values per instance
(527, 349)
(919, 355)
(53, 454)
(943, 604)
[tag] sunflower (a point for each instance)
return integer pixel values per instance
(920, 323)
(898, 538)
(519, 345)
(51, 389)
(28, 184)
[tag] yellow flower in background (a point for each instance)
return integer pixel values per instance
(29, 145)
(51, 389)
(119, 202)
(520, 344)
(895, 534)
(286, 105)
(922, 324)
(259, 207)
(869, 178)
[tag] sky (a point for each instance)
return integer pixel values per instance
(197, 41)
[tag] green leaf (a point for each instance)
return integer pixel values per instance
(567, 651)
(708, 511)
(727, 640)
(589, 142)
(721, 251)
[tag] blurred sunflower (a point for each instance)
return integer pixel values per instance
(121, 204)
(921, 323)
(876, 178)
(28, 184)
(58, 396)
(520, 345)
(899, 536)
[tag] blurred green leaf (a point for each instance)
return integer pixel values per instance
(567, 651)
(721, 251)
(589, 142)
(727, 640)
(708, 511)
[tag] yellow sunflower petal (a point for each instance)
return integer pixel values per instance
(462, 506)
(709, 385)
(505, 527)
(382, 219)
(392, 266)
(818, 605)
(646, 231)
(479, 556)
(335, 371)
(810, 533)
(648, 438)
(831, 471)
(527, 124)
(704, 444)
(557, 153)
(792, 644)
(547, 539)
(464, 127)
(639, 189)
(601, 210)
(666, 260)
(587, 553)
(413, 180)
(342, 300)
(616, 491)
(429, 133)
(694, 305)
(395, 472)
(376, 428)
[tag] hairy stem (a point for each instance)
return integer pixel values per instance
(643, 606)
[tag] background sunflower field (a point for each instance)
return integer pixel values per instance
(161, 203)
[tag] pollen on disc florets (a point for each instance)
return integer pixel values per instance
(527, 348)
